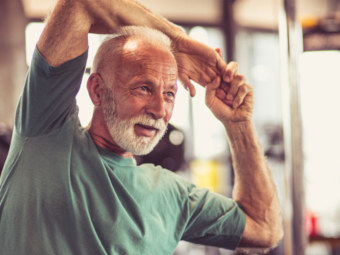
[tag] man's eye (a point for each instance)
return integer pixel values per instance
(144, 88)
(170, 94)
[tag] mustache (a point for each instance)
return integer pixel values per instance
(147, 120)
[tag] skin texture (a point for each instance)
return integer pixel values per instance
(228, 96)
(146, 85)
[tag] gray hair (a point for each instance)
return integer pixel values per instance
(107, 58)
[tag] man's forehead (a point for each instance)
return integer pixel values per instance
(139, 49)
(140, 56)
(135, 46)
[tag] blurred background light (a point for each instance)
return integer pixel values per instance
(176, 137)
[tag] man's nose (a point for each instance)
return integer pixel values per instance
(156, 107)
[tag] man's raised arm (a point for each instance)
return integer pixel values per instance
(254, 188)
(65, 36)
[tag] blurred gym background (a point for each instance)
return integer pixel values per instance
(289, 52)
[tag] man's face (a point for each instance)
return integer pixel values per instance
(144, 89)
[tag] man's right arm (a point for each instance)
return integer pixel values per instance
(65, 36)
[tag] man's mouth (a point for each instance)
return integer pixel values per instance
(145, 130)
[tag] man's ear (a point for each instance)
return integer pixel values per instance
(95, 85)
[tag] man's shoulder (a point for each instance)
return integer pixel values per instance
(49, 95)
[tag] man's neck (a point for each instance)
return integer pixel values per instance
(102, 138)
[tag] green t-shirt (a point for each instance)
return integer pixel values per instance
(62, 194)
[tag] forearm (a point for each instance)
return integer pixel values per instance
(65, 35)
(108, 15)
(254, 187)
(252, 175)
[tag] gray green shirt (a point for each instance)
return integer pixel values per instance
(62, 194)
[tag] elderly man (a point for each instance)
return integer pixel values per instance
(68, 190)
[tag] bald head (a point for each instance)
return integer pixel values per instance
(127, 40)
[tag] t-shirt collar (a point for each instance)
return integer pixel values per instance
(115, 158)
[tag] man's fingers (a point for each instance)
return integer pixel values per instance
(242, 92)
(238, 81)
(187, 84)
(219, 51)
(208, 75)
(210, 90)
(214, 84)
(225, 87)
(220, 94)
(230, 71)
(220, 64)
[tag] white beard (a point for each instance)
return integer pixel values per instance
(122, 130)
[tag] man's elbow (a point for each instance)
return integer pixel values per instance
(267, 239)
(272, 230)
(262, 234)
(272, 235)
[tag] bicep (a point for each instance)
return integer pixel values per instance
(214, 220)
(48, 95)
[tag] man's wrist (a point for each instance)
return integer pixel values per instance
(238, 126)
(170, 29)
(241, 132)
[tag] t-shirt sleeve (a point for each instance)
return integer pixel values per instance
(214, 220)
(49, 95)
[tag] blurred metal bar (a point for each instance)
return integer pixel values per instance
(13, 67)
(290, 48)
(228, 27)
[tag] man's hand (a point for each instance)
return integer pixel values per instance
(198, 62)
(232, 101)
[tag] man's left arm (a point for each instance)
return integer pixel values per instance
(254, 190)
